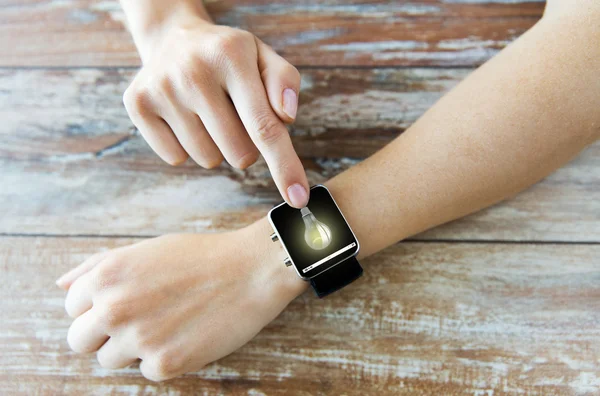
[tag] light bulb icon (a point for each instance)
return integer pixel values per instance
(317, 235)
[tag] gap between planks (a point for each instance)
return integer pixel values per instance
(298, 66)
(408, 240)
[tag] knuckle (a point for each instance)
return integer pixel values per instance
(153, 376)
(231, 40)
(268, 129)
(211, 163)
(191, 73)
(245, 160)
(159, 85)
(150, 375)
(231, 44)
(166, 363)
(111, 313)
(107, 274)
(164, 84)
(72, 295)
(104, 362)
(73, 342)
(176, 159)
(136, 101)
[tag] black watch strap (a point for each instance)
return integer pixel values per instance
(336, 277)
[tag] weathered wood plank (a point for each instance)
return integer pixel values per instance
(69, 114)
(70, 162)
(427, 318)
(340, 32)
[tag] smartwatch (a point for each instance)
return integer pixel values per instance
(319, 242)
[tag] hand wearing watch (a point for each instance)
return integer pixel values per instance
(319, 242)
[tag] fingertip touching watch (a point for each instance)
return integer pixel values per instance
(319, 242)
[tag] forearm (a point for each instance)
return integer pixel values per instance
(509, 124)
(147, 19)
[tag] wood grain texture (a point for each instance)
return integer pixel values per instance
(427, 318)
(334, 32)
(458, 317)
(71, 162)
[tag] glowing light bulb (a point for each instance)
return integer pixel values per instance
(317, 234)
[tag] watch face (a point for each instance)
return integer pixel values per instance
(317, 237)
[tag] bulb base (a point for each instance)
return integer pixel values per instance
(305, 211)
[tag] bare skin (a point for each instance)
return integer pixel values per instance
(172, 301)
(212, 92)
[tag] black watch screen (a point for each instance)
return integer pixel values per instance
(316, 237)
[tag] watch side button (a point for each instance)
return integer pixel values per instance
(287, 261)
(274, 237)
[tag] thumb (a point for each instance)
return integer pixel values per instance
(281, 81)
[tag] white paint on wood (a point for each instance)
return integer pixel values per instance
(371, 46)
(462, 57)
(469, 43)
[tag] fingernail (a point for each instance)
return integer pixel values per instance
(290, 102)
(297, 195)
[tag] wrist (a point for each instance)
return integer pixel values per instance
(267, 257)
(150, 21)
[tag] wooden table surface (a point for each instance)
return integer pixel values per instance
(506, 301)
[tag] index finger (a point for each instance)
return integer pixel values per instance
(270, 136)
